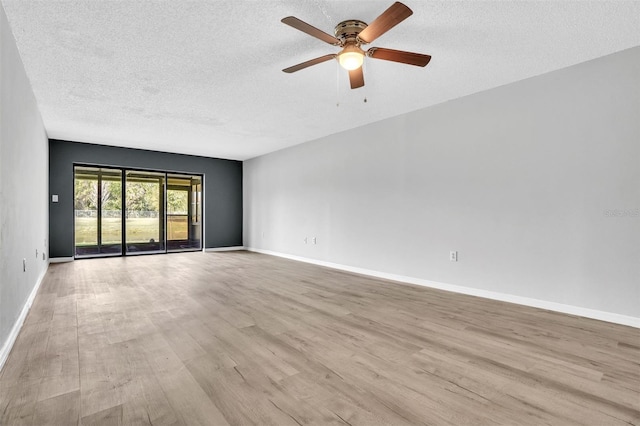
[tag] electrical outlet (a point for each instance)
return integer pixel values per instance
(453, 256)
(43, 256)
(36, 253)
(314, 240)
(306, 240)
(24, 265)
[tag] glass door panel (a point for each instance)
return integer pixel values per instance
(195, 212)
(184, 230)
(97, 211)
(177, 214)
(111, 212)
(85, 211)
(144, 212)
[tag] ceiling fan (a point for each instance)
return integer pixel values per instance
(352, 34)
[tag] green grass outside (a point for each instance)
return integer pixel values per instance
(139, 230)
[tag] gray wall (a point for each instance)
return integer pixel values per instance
(222, 188)
(536, 184)
(23, 187)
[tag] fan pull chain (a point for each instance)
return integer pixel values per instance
(365, 87)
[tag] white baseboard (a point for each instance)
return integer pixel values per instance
(60, 259)
(17, 326)
(234, 248)
(503, 297)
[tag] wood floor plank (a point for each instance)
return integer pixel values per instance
(242, 338)
(111, 416)
(62, 409)
(18, 398)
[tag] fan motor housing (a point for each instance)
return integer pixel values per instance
(349, 29)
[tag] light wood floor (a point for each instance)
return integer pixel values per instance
(242, 338)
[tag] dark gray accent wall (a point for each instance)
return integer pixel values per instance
(222, 188)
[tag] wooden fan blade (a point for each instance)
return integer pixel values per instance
(417, 59)
(296, 23)
(309, 63)
(391, 17)
(356, 78)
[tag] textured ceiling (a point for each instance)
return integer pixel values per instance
(204, 77)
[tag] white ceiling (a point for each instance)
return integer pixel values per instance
(204, 77)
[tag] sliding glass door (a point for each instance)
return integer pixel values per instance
(162, 211)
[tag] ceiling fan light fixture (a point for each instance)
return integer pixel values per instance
(352, 33)
(351, 57)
